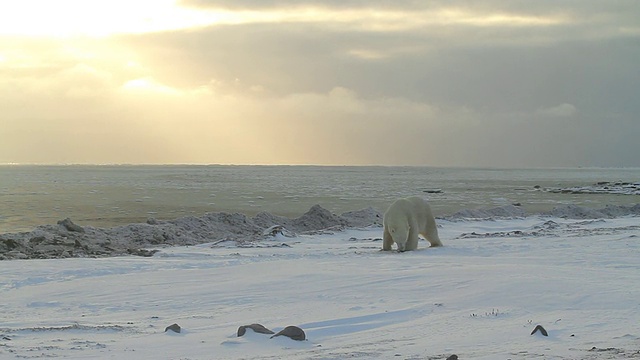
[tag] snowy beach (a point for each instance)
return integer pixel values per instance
(478, 297)
(99, 261)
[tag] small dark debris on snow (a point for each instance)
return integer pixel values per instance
(432, 191)
(292, 332)
(453, 357)
(541, 329)
(142, 252)
(255, 327)
(601, 349)
(174, 327)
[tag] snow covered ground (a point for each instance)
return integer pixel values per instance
(479, 297)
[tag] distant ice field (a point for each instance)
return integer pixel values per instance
(106, 196)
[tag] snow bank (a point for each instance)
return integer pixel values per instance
(67, 239)
(500, 212)
(608, 212)
(604, 187)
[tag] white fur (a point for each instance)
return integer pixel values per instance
(405, 220)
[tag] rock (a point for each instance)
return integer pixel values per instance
(273, 230)
(11, 244)
(142, 252)
(174, 327)
(241, 331)
(292, 332)
(432, 191)
(453, 357)
(276, 230)
(37, 240)
(15, 254)
(541, 329)
(255, 327)
(70, 226)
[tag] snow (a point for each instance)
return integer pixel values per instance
(479, 297)
(67, 239)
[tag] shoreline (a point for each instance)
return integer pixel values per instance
(67, 239)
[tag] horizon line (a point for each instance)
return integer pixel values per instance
(487, 167)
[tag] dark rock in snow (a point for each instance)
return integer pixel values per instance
(541, 329)
(142, 252)
(453, 357)
(70, 226)
(255, 327)
(292, 332)
(432, 191)
(173, 327)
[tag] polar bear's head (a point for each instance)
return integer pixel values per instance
(400, 235)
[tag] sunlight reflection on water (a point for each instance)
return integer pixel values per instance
(116, 195)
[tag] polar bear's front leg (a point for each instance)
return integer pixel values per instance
(387, 240)
(412, 239)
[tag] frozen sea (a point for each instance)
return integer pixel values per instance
(106, 196)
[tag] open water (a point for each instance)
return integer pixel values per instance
(106, 196)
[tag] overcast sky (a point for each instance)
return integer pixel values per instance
(438, 83)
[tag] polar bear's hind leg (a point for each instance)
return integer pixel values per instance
(432, 236)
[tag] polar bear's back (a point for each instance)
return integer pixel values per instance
(409, 217)
(412, 207)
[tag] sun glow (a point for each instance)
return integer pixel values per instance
(72, 18)
(66, 18)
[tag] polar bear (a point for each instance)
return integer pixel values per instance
(405, 220)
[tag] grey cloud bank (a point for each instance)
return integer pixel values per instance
(455, 83)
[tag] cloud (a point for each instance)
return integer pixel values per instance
(154, 122)
(351, 82)
(503, 70)
(559, 111)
